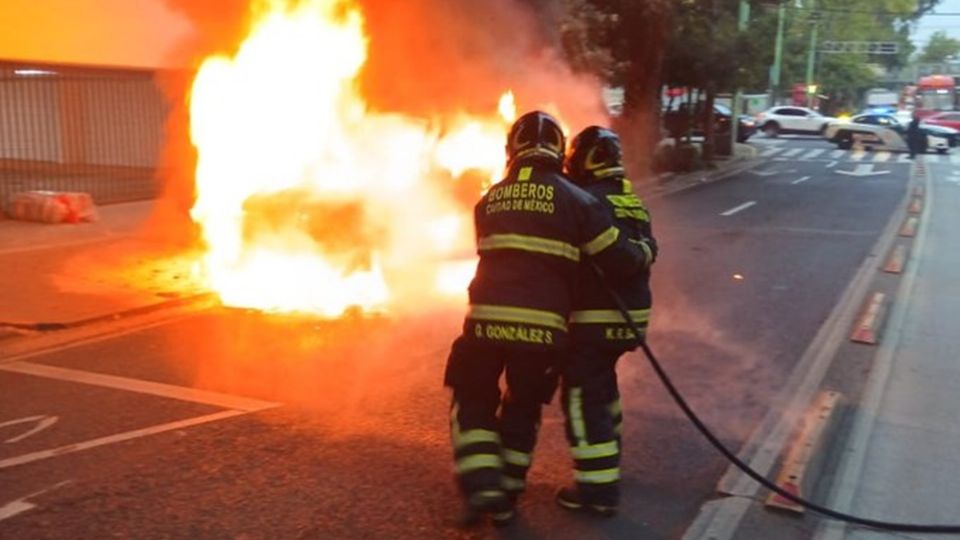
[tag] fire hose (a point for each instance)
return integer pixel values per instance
(732, 458)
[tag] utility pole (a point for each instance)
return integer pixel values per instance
(812, 53)
(777, 56)
(743, 18)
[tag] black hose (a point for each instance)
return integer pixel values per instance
(705, 431)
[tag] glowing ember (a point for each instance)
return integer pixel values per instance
(310, 202)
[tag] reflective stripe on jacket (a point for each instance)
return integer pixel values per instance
(534, 228)
(595, 319)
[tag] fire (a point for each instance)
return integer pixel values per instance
(308, 200)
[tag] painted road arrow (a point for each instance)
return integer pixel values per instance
(771, 173)
(863, 170)
(41, 423)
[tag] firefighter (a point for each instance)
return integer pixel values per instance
(533, 229)
(599, 334)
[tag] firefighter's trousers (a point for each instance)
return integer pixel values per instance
(491, 452)
(591, 407)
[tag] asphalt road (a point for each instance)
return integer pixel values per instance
(338, 430)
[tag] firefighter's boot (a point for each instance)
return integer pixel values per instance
(571, 499)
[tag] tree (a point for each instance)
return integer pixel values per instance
(939, 48)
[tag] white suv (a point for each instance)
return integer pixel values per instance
(792, 120)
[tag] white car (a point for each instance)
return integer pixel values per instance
(792, 120)
(885, 132)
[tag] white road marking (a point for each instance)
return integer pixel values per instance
(955, 158)
(837, 153)
(770, 151)
(863, 169)
(143, 387)
(119, 437)
(857, 155)
(792, 152)
(933, 159)
(21, 505)
(740, 208)
(42, 421)
(904, 158)
(813, 153)
(832, 164)
(800, 180)
(881, 157)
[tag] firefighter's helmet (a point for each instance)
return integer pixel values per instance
(535, 134)
(594, 154)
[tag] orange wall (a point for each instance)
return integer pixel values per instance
(139, 33)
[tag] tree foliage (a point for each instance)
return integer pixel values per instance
(939, 47)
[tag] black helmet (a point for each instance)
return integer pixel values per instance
(594, 154)
(535, 134)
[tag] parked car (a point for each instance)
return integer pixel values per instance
(792, 121)
(675, 121)
(885, 132)
(950, 119)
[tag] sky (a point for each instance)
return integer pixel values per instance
(931, 23)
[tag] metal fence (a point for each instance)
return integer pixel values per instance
(70, 128)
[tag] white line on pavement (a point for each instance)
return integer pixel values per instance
(837, 153)
(814, 153)
(881, 157)
(955, 158)
(770, 151)
(800, 180)
(135, 385)
(832, 164)
(932, 159)
(119, 437)
(903, 158)
(21, 505)
(857, 155)
(792, 152)
(736, 209)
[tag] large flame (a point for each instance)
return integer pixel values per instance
(307, 199)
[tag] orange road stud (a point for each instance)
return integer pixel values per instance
(804, 460)
(909, 227)
(867, 329)
(918, 190)
(897, 259)
(916, 205)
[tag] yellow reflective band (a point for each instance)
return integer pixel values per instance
(515, 457)
(536, 244)
(618, 429)
(525, 173)
(478, 461)
(510, 483)
(609, 171)
(602, 241)
(609, 316)
(475, 436)
(576, 416)
(625, 201)
(615, 408)
(517, 315)
(604, 476)
(627, 186)
(595, 451)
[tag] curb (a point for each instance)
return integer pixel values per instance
(805, 459)
(671, 183)
(870, 323)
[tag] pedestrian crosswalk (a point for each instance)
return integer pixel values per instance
(779, 153)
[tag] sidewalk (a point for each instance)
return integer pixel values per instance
(667, 183)
(902, 463)
(63, 274)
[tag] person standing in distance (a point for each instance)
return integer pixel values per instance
(533, 229)
(599, 333)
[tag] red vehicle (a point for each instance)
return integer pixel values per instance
(950, 119)
(934, 94)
